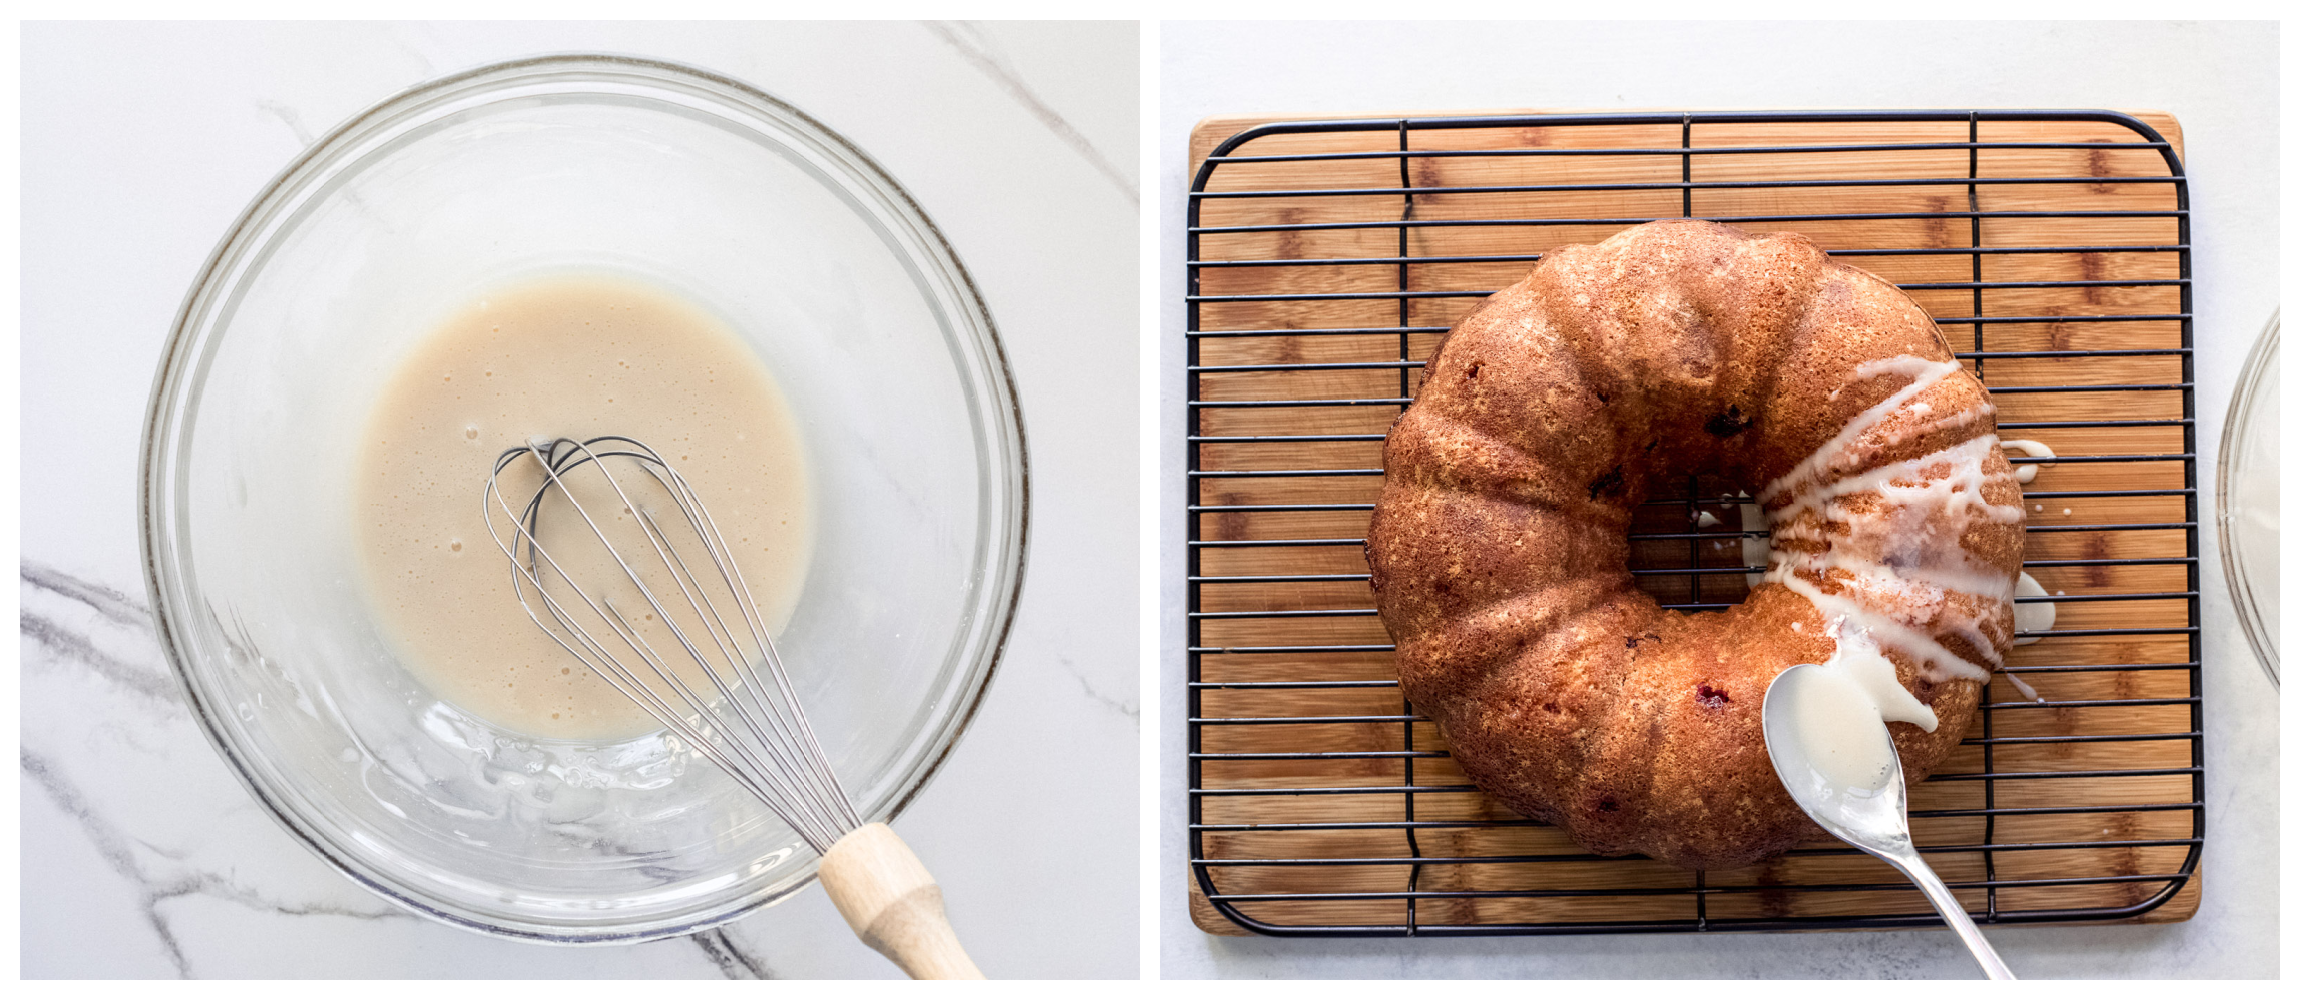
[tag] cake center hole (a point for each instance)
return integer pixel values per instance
(1691, 544)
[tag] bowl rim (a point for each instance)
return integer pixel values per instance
(1007, 490)
(2259, 362)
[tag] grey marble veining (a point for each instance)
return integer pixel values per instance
(126, 620)
(109, 747)
(969, 41)
(142, 856)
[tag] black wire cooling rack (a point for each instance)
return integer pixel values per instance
(1326, 258)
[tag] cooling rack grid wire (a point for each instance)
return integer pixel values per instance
(1326, 259)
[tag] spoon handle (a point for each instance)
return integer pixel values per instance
(1952, 911)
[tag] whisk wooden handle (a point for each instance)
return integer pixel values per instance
(892, 903)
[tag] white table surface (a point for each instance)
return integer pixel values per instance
(142, 856)
(2220, 80)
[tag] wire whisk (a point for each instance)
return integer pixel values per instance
(615, 557)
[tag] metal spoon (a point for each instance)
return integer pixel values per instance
(1874, 819)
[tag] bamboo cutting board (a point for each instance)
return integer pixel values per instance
(2086, 804)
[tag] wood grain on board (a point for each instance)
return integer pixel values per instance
(2125, 830)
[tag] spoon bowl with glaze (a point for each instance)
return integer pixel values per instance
(1833, 753)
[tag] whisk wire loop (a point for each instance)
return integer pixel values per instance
(699, 520)
(754, 728)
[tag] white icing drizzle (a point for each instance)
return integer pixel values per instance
(1840, 450)
(1829, 738)
(2025, 690)
(2031, 617)
(1756, 550)
(1892, 632)
(1916, 482)
(1895, 569)
(1862, 662)
(2026, 473)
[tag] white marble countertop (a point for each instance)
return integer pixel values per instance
(2220, 80)
(141, 143)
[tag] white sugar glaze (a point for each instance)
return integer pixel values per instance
(2026, 473)
(1837, 715)
(578, 356)
(1894, 571)
(2032, 617)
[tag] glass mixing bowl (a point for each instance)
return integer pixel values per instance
(2248, 496)
(701, 185)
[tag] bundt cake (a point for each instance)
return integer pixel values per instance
(1500, 554)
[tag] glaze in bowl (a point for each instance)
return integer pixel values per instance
(690, 181)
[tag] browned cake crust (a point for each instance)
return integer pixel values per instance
(1499, 546)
